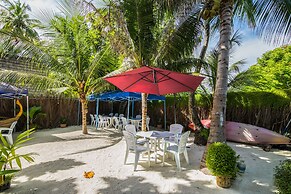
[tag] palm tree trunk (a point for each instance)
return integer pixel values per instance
(219, 101)
(84, 104)
(144, 106)
(193, 112)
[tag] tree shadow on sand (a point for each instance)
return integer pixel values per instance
(138, 184)
(44, 187)
(49, 167)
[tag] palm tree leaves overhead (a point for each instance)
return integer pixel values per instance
(14, 17)
(274, 20)
(140, 19)
(178, 41)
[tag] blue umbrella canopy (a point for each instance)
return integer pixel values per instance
(10, 91)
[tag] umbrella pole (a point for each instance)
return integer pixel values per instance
(128, 106)
(175, 119)
(97, 112)
(14, 107)
(27, 113)
(132, 109)
(165, 115)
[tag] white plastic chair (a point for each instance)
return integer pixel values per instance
(177, 149)
(93, 120)
(147, 124)
(102, 122)
(117, 123)
(131, 146)
(8, 132)
(124, 122)
(111, 114)
(121, 115)
(176, 128)
(131, 128)
(138, 116)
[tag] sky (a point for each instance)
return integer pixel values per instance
(251, 49)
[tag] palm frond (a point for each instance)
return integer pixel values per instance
(274, 20)
(178, 41)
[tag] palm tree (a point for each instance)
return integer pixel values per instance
(74, 55)
(15, 20)
(269, 13)
(148, 35)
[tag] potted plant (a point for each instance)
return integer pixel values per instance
(282, 177)
(221, 161)
(63, 122)
(9, 158)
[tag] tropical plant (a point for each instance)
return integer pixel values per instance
(9, 157)
(34, 113)
(282, 177)
(148, 35)
(15, 19)
(63, 120)
(224, 8)
(75, 56)
(271, 73)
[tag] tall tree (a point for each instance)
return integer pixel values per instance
(15, 20)
(150, 37)
(225, 10)
(75, 55)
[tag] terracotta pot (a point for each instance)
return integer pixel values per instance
(63, 125)
(224, 182)
(159, 126)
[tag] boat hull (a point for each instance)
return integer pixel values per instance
(250, 134)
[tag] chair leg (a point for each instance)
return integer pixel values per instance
(177, 158)
(136, 160)
(126, 155)
(149, 157)
(164, 152)
(9, 139)
(186, 156)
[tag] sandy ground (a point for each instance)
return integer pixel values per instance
(64, 155)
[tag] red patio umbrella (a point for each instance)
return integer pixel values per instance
(157, 81)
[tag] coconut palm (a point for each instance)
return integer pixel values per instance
(74, 56)
(148, 35)
(269, 13)
(15, 19)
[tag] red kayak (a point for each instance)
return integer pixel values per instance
(246, 133)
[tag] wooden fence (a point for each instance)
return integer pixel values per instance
(55, 108)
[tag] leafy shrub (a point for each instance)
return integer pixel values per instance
(221, 160)
(282, 177)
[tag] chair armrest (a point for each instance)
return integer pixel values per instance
(4, 129)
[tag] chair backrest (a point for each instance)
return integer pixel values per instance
(116, 114)
(123, 120)
(92, 117)
(183, 142)
(130, 140)
(138, 116)
(121, 115)
(148, 120)
(176, 128)
(130, 128)
(111, 114)
(116, 120)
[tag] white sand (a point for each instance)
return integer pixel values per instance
(64, 154)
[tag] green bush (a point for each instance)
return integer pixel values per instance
(283, 177)
(221, 160)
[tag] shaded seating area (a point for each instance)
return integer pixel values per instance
(119, 96)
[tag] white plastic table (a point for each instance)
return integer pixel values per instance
(155, 136)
